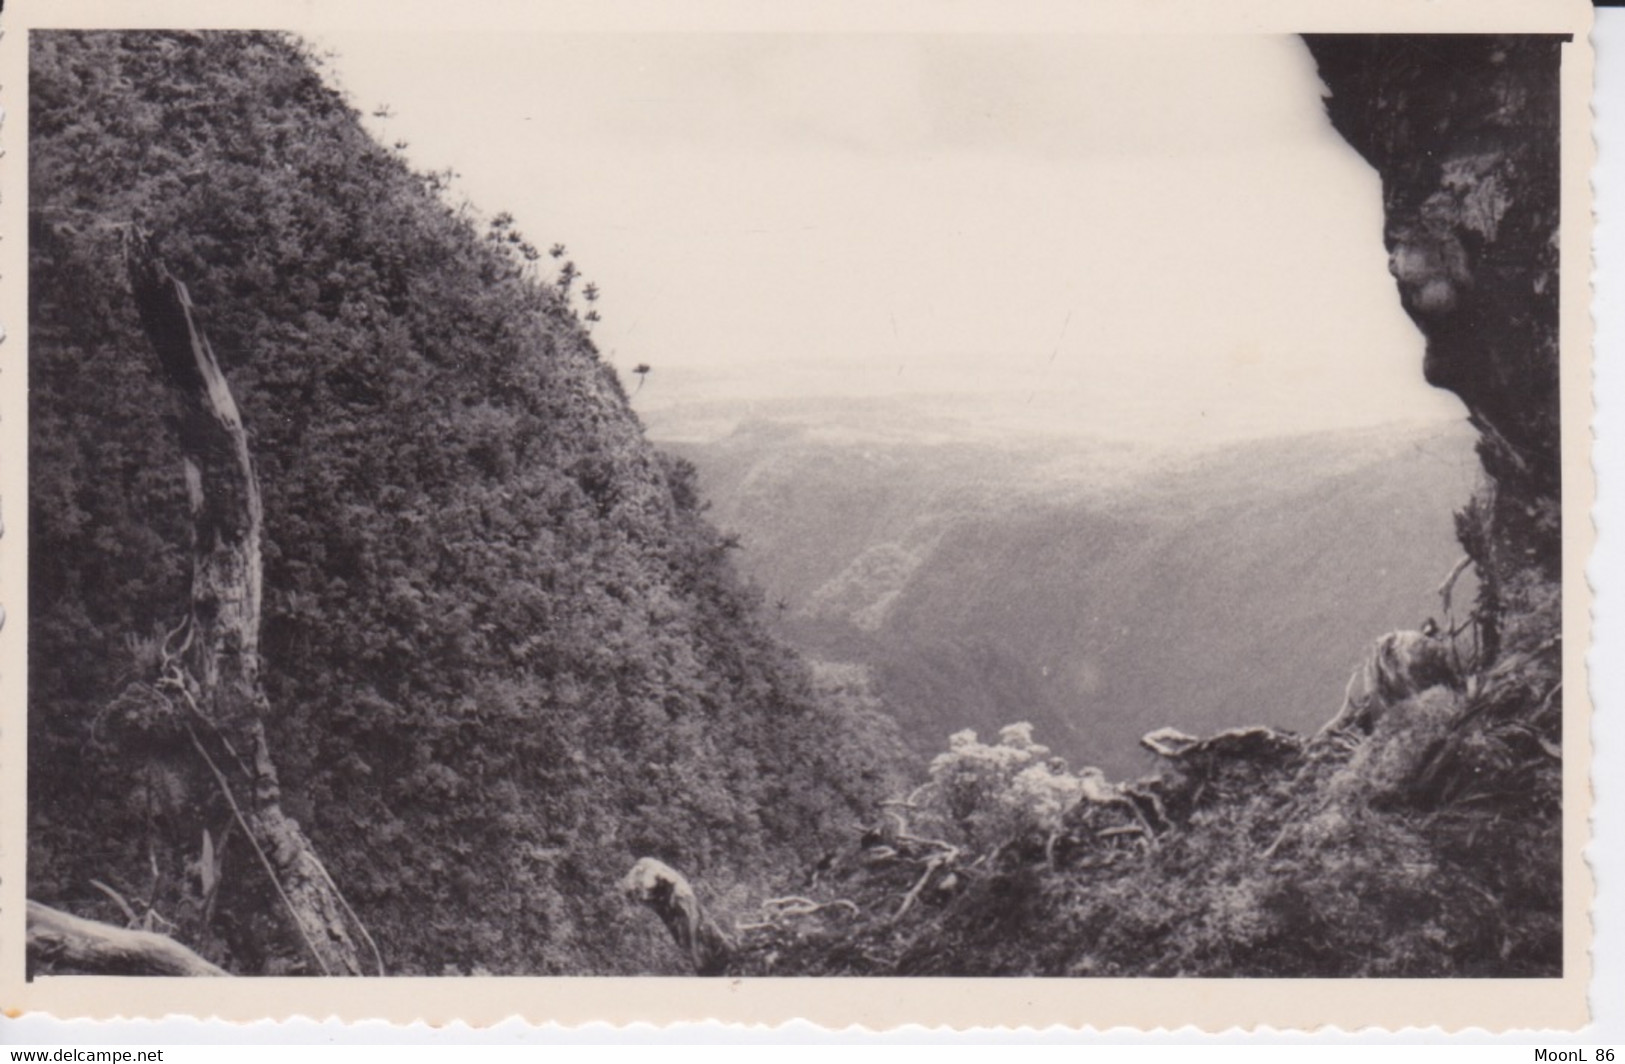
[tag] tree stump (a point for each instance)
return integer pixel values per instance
(665, 890)
(219, 668)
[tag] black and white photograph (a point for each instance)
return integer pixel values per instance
(767, 504)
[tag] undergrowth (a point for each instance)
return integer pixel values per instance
(1429, 846)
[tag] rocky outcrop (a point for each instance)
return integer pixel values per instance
(1227, 766)
(1258, 744)
(1464, 132)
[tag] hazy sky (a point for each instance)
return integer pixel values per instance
(1120, 234)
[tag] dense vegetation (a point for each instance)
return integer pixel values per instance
(505, 652)
(1426, 846)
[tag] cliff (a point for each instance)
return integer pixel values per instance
(1464, 132)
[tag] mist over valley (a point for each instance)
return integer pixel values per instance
(976, 574)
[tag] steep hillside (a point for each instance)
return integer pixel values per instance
(1094, 590)
(503, 651)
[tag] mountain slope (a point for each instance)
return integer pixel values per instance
(504, 652)
(1095, 592)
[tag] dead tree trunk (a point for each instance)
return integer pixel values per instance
(216, 673)
(665, 890)
(90, 948)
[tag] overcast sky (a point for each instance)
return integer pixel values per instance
(1128, 236)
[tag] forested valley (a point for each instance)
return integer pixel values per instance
(496, 684)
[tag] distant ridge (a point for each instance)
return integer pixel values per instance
(1094, 588)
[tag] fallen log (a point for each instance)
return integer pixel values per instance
(87, 947)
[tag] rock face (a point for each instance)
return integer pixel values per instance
(1464, 131)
